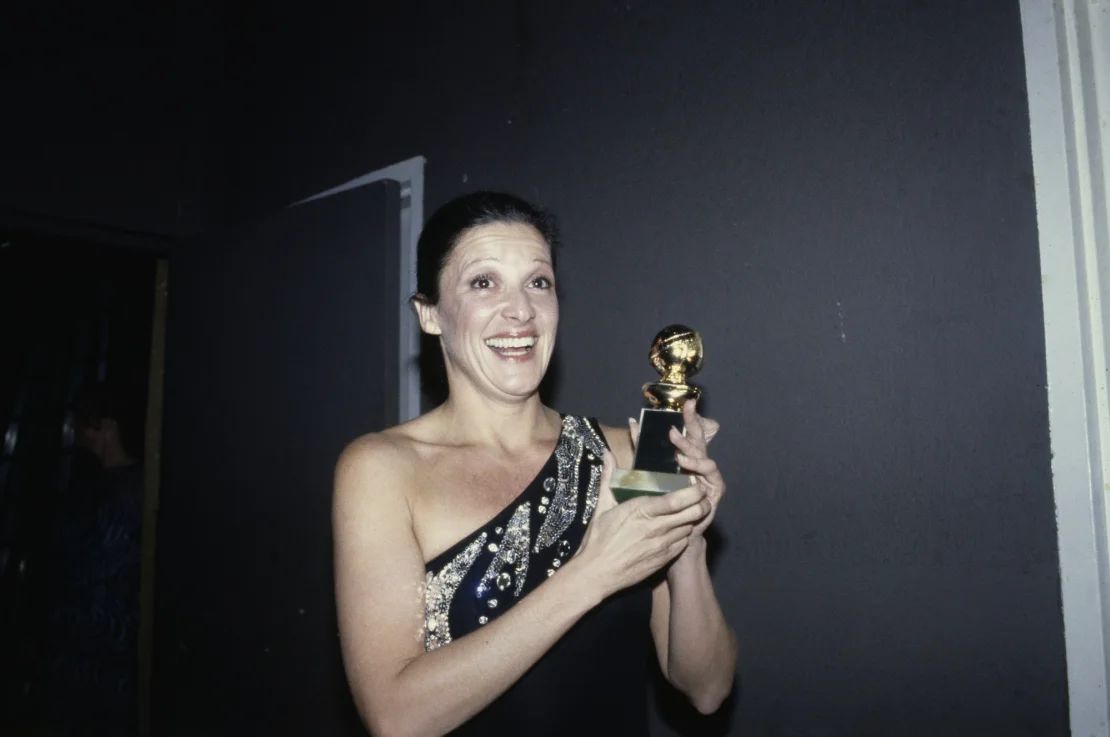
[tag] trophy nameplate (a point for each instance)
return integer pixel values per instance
(676, 353)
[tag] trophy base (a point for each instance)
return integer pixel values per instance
(630, 483)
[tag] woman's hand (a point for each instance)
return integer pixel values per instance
(626, 543)
(693, 457)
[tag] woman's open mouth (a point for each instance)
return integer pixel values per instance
(512, 347)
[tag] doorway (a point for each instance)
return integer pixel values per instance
(284, 349)
(79, 409)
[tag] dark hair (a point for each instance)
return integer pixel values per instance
(449, 222)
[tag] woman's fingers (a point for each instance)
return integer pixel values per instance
(687, 516)
(687, 444)
(685, 506)
(663, 505)
(711, 428)
(694, 429)
(701, 466)
(675, 534)
(701, 429)
(694, 459)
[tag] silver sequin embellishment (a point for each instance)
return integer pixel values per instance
(439, 590)
(591, 494)
(576, 437)
(510, 554)
(513, 551)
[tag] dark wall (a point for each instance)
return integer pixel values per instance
(837, 194)
(112, 114)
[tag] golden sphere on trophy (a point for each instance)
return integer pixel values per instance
(676, 353)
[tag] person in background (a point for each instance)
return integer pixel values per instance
(93, 617)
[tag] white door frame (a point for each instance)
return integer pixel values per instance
(1067, 67)
(409, 174)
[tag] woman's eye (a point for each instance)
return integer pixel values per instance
(481, 282)
(541, 282)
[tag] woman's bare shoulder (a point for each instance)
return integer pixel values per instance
(376, 451)
(383, 462)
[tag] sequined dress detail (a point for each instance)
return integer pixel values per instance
(601, 663)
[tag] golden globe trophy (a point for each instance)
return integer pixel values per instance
(676, 353)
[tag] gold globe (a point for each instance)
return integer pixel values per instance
(676, 353)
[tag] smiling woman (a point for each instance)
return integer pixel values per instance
(498, 313)
(539, 598)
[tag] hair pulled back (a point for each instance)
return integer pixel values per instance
(447, 224)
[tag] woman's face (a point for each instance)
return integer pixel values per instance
(497, 312)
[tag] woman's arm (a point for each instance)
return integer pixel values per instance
(700, 648)
(694, 644)
(696, 648)
(400, 689)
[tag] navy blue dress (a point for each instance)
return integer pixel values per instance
(594, 679)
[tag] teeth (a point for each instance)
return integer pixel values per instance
(522, 342)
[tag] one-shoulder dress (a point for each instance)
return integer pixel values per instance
(594, 679)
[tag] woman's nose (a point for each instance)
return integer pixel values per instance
(518, 306)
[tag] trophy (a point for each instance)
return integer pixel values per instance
(676, 353)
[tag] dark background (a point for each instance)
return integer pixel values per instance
(838, 195)
(72, 314)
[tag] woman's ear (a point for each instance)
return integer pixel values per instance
(426, 314)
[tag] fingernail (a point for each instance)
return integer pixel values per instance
(680, 456)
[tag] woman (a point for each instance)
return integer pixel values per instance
(468, 604)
